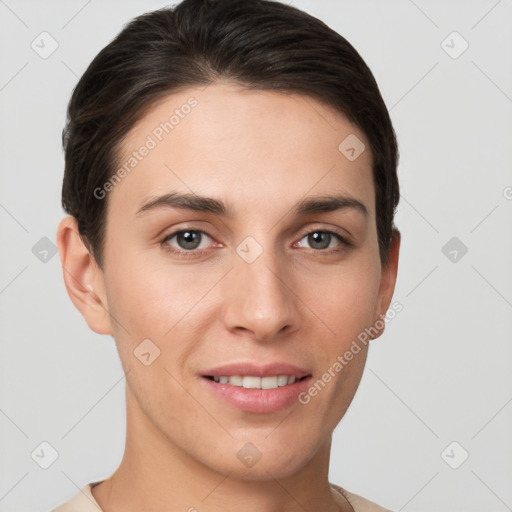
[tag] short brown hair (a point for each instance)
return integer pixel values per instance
(260, 44)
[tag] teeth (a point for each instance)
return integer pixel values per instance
(282, 380)
(250, 382)
(236, 380)
(269, 382)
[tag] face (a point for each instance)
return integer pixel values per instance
(261, 282)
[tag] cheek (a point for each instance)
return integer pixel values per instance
(155, 302)
(344, 306)
(344, 299)
(149, 299)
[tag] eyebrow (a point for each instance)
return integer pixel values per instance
(190, 201)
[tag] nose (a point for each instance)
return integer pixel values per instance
(260, 300)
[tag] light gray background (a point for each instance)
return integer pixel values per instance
(440, 373)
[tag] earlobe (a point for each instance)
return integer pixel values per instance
(83, 278)
(387, 283)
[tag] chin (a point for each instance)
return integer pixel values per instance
(265, 464)
(262, 471)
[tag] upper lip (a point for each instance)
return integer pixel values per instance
(251, 369)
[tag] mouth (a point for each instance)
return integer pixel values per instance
(256, 389)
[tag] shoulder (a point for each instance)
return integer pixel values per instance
(82, 501)
(359, 504)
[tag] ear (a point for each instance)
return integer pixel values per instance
(387, 283)
(83, 278)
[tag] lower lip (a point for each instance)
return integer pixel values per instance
(260, 401)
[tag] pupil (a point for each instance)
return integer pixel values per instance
(186, 239)
(321, 238)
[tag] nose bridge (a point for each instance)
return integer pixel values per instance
(261, 300)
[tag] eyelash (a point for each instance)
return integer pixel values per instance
(197, 253)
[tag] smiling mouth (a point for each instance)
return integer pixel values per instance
(253, 382)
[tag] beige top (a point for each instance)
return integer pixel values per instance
(84, 501)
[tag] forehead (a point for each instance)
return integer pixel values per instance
(255, 148)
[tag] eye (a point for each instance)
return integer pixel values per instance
(191, 242)
(322, 239)
(187, 240)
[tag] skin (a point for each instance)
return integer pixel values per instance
(261, 152)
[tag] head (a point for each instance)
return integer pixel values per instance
(230, 180)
